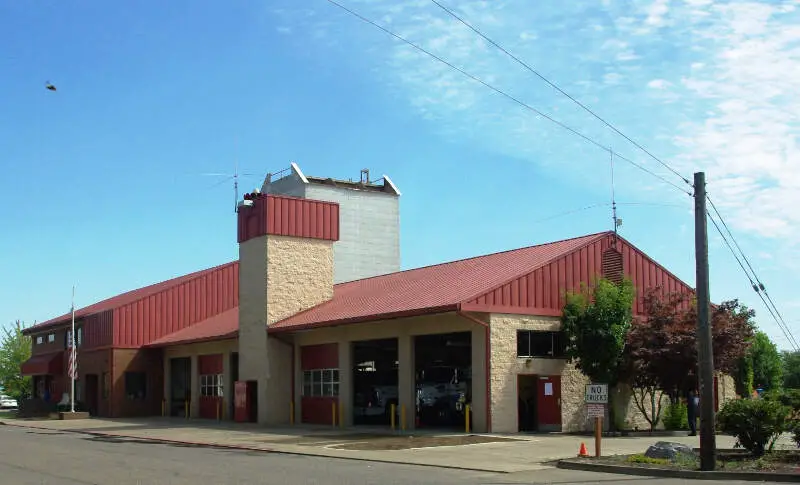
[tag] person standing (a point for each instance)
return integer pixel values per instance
(692, 404)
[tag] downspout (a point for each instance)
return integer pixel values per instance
(488, 363)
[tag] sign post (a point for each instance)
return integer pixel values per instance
(596, 398)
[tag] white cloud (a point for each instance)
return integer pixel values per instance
(284, 30)
(659, 84)
(656, 13)
(750, 143)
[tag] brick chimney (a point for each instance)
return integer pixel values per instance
(285, 267)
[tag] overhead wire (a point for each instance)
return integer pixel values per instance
(757, 285)
(557, 88)
(504, 94)
(784, 329)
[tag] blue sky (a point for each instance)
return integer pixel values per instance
(101, 181)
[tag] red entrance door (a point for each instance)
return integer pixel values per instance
(548, 403)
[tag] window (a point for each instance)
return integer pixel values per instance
(39, 340)
(135, 385)
(211, 385)
(532, 343)
(104, 386)
(321, 382)
(78, 338)
(51, 337)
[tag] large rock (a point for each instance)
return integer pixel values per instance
(668, 450)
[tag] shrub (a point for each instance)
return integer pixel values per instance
(755, 423)
(787, 397)
(676, 417)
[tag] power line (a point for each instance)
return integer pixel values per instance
(505, 94)
(757, 285)
(784, 329)
(556, 87)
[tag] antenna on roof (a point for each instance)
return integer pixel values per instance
(617, 222)
(234, 176)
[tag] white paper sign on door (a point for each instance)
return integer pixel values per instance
(548, 388)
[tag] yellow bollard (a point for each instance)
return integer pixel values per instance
(333, 413)
(393, 409)
(341, 415)
(466, 417)
(291, 413)
(402, 417)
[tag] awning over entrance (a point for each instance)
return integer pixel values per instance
(45, 364)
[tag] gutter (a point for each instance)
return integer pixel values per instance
(488, 347)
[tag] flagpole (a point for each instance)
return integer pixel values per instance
(74, 355)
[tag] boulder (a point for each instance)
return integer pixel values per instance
(668, 450)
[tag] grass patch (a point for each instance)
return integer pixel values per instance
(783, 461)
(8, 414)
(646, 459)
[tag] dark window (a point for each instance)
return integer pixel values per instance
(532, 343)
(135, 385)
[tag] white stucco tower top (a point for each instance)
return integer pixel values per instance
(369, 241)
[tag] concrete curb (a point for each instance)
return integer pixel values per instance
(587, 466)
(256, 449)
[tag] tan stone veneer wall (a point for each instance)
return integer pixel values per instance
(726, 388)
(505, 367)
(299, 275)
(278, 277)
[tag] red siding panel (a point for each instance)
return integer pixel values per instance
(175, 308)
(324, 356)
(289, 216)
(545, 287)
(97, 330)
(209, 364)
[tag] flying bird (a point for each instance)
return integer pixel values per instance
(49, 86)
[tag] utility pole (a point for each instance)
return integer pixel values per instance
(705, 348)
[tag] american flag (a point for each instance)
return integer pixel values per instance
(73, 358)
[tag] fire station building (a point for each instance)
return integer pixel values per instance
(315, 323)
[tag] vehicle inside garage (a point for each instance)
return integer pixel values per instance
(375, 381)
(443, 370)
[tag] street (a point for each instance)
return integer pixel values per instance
(43, 457)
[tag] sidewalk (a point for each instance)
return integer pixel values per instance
(516, 453)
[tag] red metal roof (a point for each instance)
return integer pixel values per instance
(123, 299)
(442, 287)
(221, 326)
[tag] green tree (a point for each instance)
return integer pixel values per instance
(596, 322)
(766, 362)
(15, 348)
(744, 376)
(791, 370)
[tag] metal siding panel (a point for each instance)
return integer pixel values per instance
(547, 273)
(559, 282)
(524, 284)
(538, 290)
(567, 280)
(515, 293)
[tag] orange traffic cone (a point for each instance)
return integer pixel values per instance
(582, 451)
